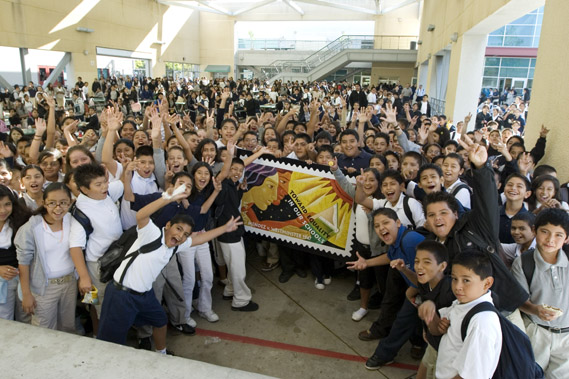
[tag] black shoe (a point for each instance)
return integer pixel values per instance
(285, 276)
(185, 328)
(145, 343)
(225, 297)
(375, 301)
(170, 352)
(368, 335)
(250, 307)
(354, 294)
(374, 363)
(417, 352)
(300, 272)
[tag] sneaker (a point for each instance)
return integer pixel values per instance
(328, 280)
(191, 322)
(354, 294)
(285, 276)
(319, 285)
(186, 329)
(266, 267)
(374, 363)
(145, 343)
(359, 314)
(368, 335)
(210, 316)
(250, 307)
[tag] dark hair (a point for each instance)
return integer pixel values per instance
(380, 157)
(395, 154)
(427, 146)
(72, 149)
(15, 129)
(451, 142)
(519, 139)
(180, 175)
(199, 148)
(230, 121)
(85, 174)
(527, 217)
(517, 144)
(263, 135)
(387, 212)
(127, 122)
(474, 260)
(286, 133)
(327, 148)
(49, 153)
(543, 169)
(437, 249)
(456, 156)
(52, 187)
(124, 141)
(182, 218)
(323, 134)
(440, 197)
(209, 186)
(31, 167)
(553, 216)
(536, 183)
(377, 194)
(385, 136)
(417, 156)
(236, 160)
(144, 151)
(349, 132)
(179, 148)
(20, 213)
(429, 166)
(523, 178)
(303, 136)
(393, 174)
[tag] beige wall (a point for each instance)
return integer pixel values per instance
(132, 25)
(402, 22)
(216, 40)
(403, 72)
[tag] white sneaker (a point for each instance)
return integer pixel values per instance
(328, 280)
(359, 314)
(191, 322)
(319, 286)
(210, 316)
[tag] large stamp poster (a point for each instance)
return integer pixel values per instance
(299, 205)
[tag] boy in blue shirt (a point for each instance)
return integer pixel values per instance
(400, 256)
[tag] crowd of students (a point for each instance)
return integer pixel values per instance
(441, 214)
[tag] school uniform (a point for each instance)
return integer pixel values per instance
(132, 301)
(52, 279)
(9, 304)
(142, 186)
(463, 195)
(415, 207)
(506, 224)
(231, 244)
(478, 355)
(107, 228)
(549, 339)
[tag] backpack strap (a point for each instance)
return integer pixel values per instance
(82, 219)
(459, 187)
(528, 265)
(403, 237)
(407, 210)
(141, 250)
(484, 306)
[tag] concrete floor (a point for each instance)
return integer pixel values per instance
(294, 313)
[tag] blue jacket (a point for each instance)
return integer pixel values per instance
(405, 248)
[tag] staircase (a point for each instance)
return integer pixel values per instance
(341, 52)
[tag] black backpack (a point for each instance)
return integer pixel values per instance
(516, 357)
(528, 263)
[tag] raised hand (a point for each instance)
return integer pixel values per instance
(41, 127)
(543, 132)
(49, 100)
(360, 264)
(210, 121)
(5, 151)
(233, 224)
(390, 115)
(477, 154)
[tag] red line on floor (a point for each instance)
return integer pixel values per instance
(295, 348)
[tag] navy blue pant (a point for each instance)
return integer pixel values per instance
(121, 310)
(407, 325)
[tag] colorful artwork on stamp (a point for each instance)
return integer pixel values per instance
(298, 204)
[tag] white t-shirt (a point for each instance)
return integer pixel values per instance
(55, 252)
(415, 207)
(6, 236)
(362, 226)
(146, 267)
(463, 195)
(105, 219)
(140, 186)
(478, 355)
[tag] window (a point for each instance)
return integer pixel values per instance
(523, 32)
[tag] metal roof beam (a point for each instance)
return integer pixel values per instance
(251, 7)
(339, 6)
(294, 6)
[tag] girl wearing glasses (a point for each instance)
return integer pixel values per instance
(49, 288)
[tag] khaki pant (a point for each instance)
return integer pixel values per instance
(55, 309)
(95, 274)
(551, 350)
(430, 362)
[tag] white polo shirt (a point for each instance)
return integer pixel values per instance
(146, 267)
(463, 195)
(478, 355)
(105, 219)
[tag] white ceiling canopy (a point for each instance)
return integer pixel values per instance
(297, 7)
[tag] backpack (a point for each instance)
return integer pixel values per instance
(528, 264)
(408, 213)
(517, 360)
(118, 252)
(82, 219)
(459, 187)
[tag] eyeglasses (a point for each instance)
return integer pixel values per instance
(54, 204)
(50, 164)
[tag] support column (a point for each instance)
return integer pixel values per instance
(26, 73)
(465, 76)
(431, 74)
(551, 73)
